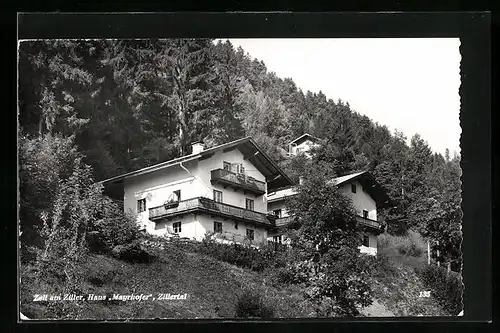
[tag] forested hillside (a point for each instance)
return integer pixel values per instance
(131, 103)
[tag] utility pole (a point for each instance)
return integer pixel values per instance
(428, 253)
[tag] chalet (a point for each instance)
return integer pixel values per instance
(365, 193)
(221, 190)
(303, 144)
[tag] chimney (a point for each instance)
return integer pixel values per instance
(197, 148)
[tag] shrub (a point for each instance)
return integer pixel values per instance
(250, 304)
(132, 252)
(256, 259)
(110, 232)
(447, 288)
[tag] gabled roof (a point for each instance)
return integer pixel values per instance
(303, 138)
(365, 178)
(274, 175)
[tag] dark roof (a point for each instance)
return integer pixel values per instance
(274, 175)
(303, 138)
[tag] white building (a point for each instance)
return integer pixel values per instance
(220, 189)
(303, 144)
(366, 195)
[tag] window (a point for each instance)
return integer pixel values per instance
(249, 204)
(353, 188)
(366, 240)
(365, 214)
(177, 195)
(217, 196)
(277, 213)
(277, 239)
(226, 166)
(250, 234)
(141, 205)
(218, 227)
(238, 168)
(177, 227)
(235, 225)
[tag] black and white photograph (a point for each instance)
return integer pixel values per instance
(239, 178)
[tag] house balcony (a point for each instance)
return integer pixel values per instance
(369, 223)
(283, 221)
(365, 222)
(238, 181)
(209, 206)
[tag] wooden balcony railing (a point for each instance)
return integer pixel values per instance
(238, 180)
(369, 223)
(209, 206)
(283, 221)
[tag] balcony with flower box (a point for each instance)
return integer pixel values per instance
(202, 204)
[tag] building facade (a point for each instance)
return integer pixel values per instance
(221, 190)
(365, 195)
(235, 192)
(302, 145)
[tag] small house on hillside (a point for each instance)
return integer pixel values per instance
(221, 190)
(303, 144)
(366, 195)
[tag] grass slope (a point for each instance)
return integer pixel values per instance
(396, 285)
(212, 288)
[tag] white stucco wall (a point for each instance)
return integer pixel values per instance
(303, 147)
(195, 226)
(361, 200)
(157, 186)
(229, 195)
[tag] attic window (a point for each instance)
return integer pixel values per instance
(353, 188)
(141, 205)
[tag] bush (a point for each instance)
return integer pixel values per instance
(256, 259)
(132, 252)
(250, 304)
(447, 288)
(110, 232)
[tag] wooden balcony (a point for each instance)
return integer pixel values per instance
(206, 205)
(238, 181)
(365, 222)
(283, 221)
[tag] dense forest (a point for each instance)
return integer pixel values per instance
(127, 104)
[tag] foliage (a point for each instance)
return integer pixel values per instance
(256, 259)
(131, 103)
(111, 231)
(396, 282)
(411, 245)
(446, 287)
(250, 304)
(334, 273)
(132, 252)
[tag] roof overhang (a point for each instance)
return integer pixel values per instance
(370, 185)
(303, 138)
(251, 151)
